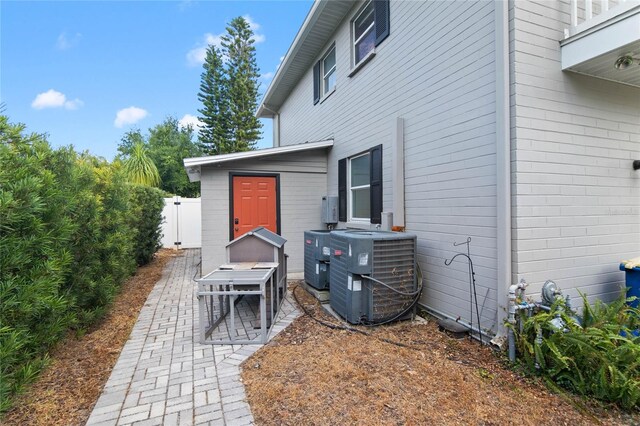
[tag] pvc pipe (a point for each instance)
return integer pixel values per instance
(512, 345)
(439, 314)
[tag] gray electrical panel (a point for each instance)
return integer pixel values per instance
(316, 258)
(329, 213)
(360, 261)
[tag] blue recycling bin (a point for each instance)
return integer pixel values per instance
(632, 278)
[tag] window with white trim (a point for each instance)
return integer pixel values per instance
(328, 71)
(364, 35)
(359, 188)
(369, 28)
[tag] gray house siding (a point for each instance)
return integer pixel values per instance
(302, 183)
(576, 198)
(436, 71)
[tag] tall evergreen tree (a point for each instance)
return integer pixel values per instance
(214, 135)
(242, 85)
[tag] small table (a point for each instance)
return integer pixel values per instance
(235, 283)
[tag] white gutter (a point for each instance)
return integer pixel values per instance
(503, 160)
(308, 23)
(276, 126)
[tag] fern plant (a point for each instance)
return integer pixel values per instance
(599, 357)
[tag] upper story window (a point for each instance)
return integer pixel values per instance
(324, 75)
(329, 71)
(369, 27)
(364, 35)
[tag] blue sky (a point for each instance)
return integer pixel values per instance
(86, 72)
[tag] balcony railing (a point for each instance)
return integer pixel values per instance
(586, 14)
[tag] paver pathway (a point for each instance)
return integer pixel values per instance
(164, 376)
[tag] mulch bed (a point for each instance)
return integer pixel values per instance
(314, 375)
(65, 393)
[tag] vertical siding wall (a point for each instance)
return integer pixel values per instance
(303, 181)
(576, 197)
(436, 70)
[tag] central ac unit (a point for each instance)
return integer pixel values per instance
(373, 275)
(316, 258)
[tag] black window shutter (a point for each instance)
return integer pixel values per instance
(381, 13)
(316, 83)
(342, 190)
(376, 183)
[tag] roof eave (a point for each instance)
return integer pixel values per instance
(330, 8)
(193, 165)
(312, 16)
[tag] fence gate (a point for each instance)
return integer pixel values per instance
(181, 227)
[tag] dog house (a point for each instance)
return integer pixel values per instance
(238, 300)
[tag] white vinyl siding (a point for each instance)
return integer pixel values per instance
(576, 196)
(449, 117)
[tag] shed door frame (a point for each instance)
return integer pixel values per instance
(253, 174)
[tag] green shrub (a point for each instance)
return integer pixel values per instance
(147, 204)
(599, 357)
(71, 231)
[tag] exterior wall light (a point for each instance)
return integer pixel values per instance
(625, 61)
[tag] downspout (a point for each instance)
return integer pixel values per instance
(503, 165)
(276, 126)
(397, 171)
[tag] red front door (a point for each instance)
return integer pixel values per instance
(254, 204)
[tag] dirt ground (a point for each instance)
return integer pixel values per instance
(67, 390)
(314, 375)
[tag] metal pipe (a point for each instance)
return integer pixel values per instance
(513, 308)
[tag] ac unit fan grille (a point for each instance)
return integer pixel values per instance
(393, 264)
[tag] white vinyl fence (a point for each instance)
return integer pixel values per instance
(182, 226)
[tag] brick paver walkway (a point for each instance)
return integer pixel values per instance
(164, 376)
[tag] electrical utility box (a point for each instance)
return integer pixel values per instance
(329, 213)
(317, 253)
(373, 275)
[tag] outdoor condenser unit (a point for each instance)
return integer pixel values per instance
(316, 258)
(373, 275)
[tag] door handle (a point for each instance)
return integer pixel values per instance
(235, 229)
(236, 221)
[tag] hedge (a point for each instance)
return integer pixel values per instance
(71, 231)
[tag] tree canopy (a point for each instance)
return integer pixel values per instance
(229, 93)
(167, 144)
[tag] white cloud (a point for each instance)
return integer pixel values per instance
(255, 27)
(64, 42)
(54, 99)
(190, 120)
(197, 55)
(267, 76)
(74, 104)
(129, 115)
